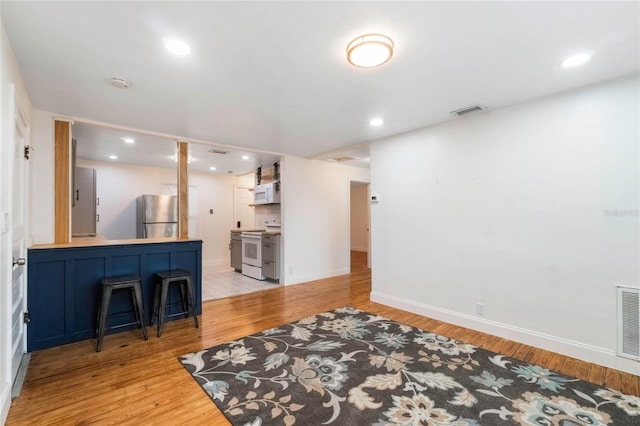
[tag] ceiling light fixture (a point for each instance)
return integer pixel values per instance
(129, 140)
(113, 157)
(576, 60)
(245, 157)
(369, 50)
(376, 121)
(176, 46)
(212, 168)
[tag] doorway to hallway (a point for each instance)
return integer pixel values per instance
(359, 207)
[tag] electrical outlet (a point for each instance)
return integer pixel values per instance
(480, 309)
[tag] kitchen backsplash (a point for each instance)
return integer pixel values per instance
(267, 215)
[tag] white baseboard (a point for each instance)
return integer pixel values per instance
(589, 353)
(215, 262)
(297, 279)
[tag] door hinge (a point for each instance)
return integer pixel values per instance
(27, 151)
(26, 317)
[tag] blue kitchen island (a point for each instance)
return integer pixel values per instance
(63, 283)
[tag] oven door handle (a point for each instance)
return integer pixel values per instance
(251, 237)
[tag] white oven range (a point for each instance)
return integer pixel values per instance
(252, 254)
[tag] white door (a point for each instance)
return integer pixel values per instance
(18, 229)
(242, 211)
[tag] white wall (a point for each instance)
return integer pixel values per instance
(315, 218)
(359, 218)
(118, 186)
(42, 177)
(247, 180)
(515, 209)
(12, 91)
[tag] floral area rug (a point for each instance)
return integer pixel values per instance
(349, 367)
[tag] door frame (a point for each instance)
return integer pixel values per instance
(21, 118)
(368, 214)
(6, 242)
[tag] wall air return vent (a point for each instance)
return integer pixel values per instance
(469, 110)
(218, 151)
(629, 322)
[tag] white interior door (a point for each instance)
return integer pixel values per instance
(242, 211)
(18, 230)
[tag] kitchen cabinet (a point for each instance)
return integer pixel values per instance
(235, 246)
(271, 257)
(83, 213)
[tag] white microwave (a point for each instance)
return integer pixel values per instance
(266, 194)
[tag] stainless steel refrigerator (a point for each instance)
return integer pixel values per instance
(157, 216)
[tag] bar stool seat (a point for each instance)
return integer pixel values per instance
(187, 297)
(114, 284)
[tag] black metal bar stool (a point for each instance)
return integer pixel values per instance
(187, 297)
(109, 286)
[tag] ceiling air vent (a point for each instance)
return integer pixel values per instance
(469, 110)
(344, 158)
(218, 151)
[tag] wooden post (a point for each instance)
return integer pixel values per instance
(62, 182)
(183, 190)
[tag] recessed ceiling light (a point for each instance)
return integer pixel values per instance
(129, 140)
(576, 60)
(245, 157)
(369, 50)
(176, 46)
(212, 168)
(376, 121)
(113, 157)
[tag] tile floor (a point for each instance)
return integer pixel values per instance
(219, 280)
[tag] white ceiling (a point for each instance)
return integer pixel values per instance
(273, 76)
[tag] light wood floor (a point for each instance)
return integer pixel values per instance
(133, 381)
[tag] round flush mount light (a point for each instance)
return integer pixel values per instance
(212, 168)
(113, 157)
(176, 46)
(129, 140)
(245, 157)
(576, 60)
(376, 122)
(369, 50)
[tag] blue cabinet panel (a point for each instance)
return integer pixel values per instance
(64, 285)
(85, 289)
(128, 264)
(47, 280)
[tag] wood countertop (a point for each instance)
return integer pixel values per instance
(98, 241)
